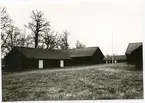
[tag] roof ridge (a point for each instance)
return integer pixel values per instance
(42, 53)
(136, 43)
(83, 48)
(37, 48)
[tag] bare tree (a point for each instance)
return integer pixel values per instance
(5, 25)
(28, 41)
(10, 34)
(50, 39)
(108, 56)
(63, 43)
(4, 18)
(25, 41)
(9, 38)
(37, 26)
(79, 45)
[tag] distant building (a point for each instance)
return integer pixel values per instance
(21, 58)
(134, 54)
(116, 59)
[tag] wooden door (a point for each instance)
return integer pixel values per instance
(40, 64)
(61, 63)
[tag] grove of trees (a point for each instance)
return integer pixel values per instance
(41, 35)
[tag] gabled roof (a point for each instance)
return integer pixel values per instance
(38, 53)
(132, 46)
(83, 52)
(116, 57)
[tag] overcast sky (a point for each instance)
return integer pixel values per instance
(91, 22)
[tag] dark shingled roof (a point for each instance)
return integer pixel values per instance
(116, 57)
(132, 46)
(38, 53)
(83, 52)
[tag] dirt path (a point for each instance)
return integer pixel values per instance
(70, 68)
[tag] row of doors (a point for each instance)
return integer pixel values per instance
(40, 64)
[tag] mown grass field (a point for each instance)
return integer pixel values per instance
(107, 81)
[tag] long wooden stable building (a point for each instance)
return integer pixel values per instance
(22, 58)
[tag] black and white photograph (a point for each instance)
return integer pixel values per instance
(70, 50)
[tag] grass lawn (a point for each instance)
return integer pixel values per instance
(107, 81)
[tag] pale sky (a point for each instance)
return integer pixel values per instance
(92, 22)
